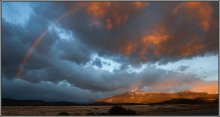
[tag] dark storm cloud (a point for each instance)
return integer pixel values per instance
(73, 51)
(9, 61)
(44, 91)
(185, 33)
(150, 32)
(17, 40)
(92, 30)
(138, 35)
(130, 33)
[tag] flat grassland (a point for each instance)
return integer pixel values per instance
(168, 109)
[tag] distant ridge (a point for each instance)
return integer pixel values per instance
(15, 102)
(141, 97)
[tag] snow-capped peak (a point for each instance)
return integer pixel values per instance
(136, 91)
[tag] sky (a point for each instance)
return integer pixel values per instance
(83, 51)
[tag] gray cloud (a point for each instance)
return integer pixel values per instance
(44, 91)
(88, 84)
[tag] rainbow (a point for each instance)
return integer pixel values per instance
(39, 39)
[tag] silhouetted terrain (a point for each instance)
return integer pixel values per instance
(14, 102)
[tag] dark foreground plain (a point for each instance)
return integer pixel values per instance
(165, 109)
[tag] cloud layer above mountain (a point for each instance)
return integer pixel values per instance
(97, 49)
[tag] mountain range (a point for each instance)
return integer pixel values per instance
(140, 97)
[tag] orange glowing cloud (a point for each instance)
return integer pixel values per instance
(191, 48)
(112, 14)
(200, 11)
(153, 39)
(140, 4)
(98, 9)
(156, 38)
(128, 48)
